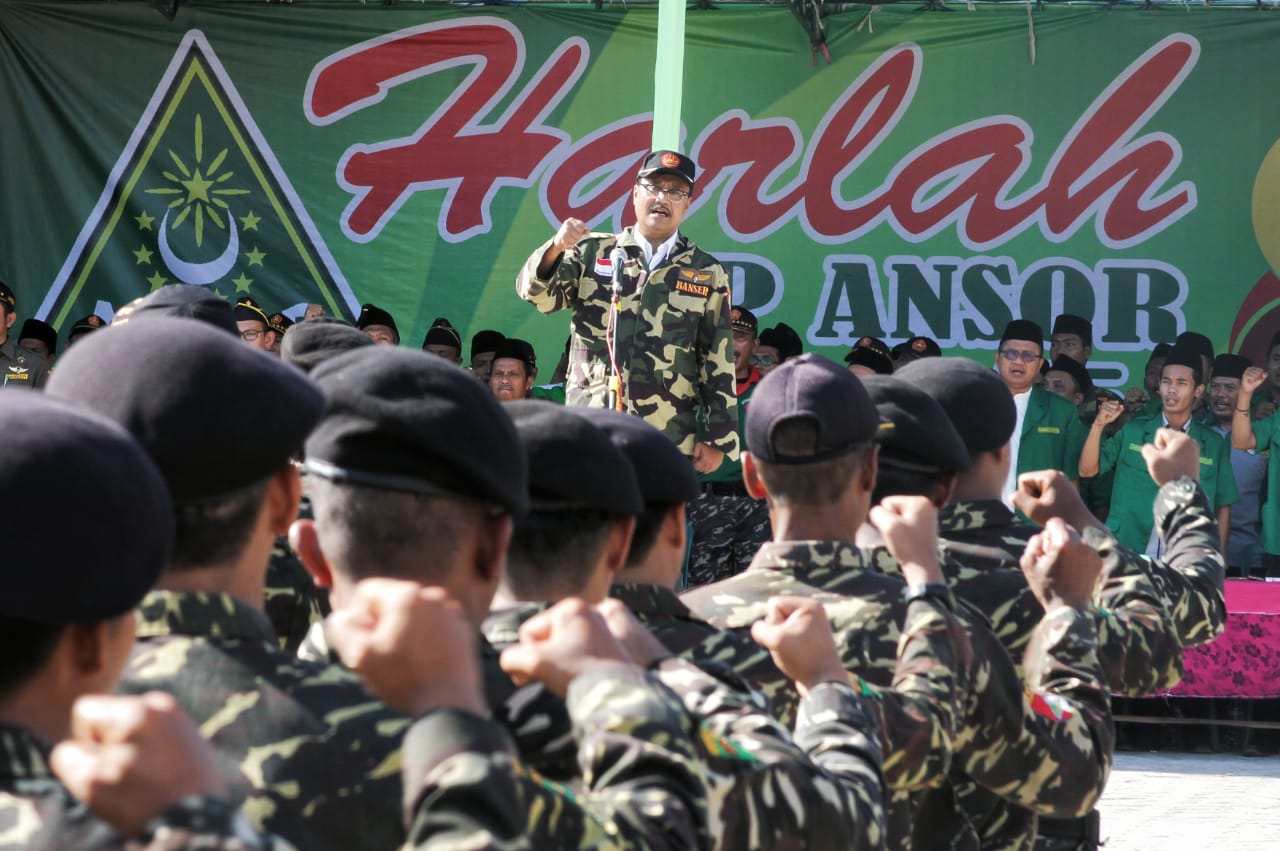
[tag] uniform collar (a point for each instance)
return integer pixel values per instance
(201, 615)
(23, 756)
(649, 601)
(974, 514)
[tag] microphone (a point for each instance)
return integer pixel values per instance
(617, 259)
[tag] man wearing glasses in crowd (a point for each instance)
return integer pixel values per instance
(674, 355)
(255, 328)
(1049, 434)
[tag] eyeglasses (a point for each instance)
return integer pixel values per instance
(658, 192)
(250, 336)
(763, 360)
(1014, 355)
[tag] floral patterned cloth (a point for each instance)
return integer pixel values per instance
(1242, 662)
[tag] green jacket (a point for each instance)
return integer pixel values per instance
(1267, 433)
(1052, 435)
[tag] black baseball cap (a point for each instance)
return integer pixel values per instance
(810, 387)
(741, 319)
(668, 162)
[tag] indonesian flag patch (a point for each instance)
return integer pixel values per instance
(1051, 706)
(604, 267)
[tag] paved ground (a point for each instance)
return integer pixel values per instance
(1190, 802)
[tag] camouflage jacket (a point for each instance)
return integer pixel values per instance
(982, 543)
(766, 790)
(311, 755)
(641, 787)
(37, 813)
(675, 352)
(292, 601)
(1047, 747)
(535, 718)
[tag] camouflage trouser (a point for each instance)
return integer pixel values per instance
(726, 532)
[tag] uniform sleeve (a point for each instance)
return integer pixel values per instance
(1190, 576)
(1109, 451)
(204, 824)
(1263, 431)
(1045, 745)
(637, 761)
(461, 789)
(1138, 647)
(1076, 433)
(769, 790)
(717, 385)
(1225, 491)
(559, 289)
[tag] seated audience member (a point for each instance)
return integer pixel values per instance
(379, 325)
(513, 369)
(483, 345)
(443, 341)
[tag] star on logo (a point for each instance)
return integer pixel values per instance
(156, 281)
(255, 256)
(143, 255)
(242, 283)
(250, 221)
(144, 221)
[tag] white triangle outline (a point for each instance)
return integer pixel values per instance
(196, 39)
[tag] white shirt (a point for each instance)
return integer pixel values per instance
(1020, 401)
(653, 257)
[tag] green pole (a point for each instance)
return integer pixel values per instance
(668, 74)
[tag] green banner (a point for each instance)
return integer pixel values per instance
(932, 179)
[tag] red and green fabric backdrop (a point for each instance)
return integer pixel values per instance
(933, 179)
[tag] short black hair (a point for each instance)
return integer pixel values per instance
(214, 531)
(31, 645)
(369, 532)
(648, 524)
(819, 483)
(895, 480)
(555, 551)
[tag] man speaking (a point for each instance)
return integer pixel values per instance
(669, 343)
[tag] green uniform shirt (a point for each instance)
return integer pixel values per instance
(1052, 435)
(1268, 435)
(1134, 492)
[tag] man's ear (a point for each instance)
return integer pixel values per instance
(751, 477)
(619, 544)
(305, 542)
(284, 494)
(493, 539)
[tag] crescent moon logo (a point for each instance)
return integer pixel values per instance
(200, 273)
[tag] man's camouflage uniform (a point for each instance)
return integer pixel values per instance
(675, 352)
(1046, 747)
(821, 789)
(292, 601)
(641, 788)
(37, 813)
(312, 757)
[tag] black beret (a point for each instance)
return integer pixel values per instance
(741, 319)
(215, 415)
(92, 322)
(485, 341)
(310, 343)
(521, 350)
(1069, 323)
(42, 331)
(979, 404)
(6, 296)
(1230, 366)
(573, 464)
(181, 300)
(404, 420)
(871, 358)
(1160, 351)
(371, 314)
(921, 436)
(442, 335)
(1198, 343)
(1023, 329)
(1073, 368)
(811, 387)
(917, 347)
(664, 474)
(90, 526)
(1186, 354)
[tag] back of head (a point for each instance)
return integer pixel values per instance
(183, 301)
(973, 397)
(807, 422)
(97, 555)
(579, 481)
(409, 451)
(919, 449)
(309, 344)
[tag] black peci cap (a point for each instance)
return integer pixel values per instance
(312, 342)
(1186, 353)
(403, 420)
(42, 331)
(783, 338)
(922, 437)
(1075, 369)
(371, 314)
(214, 414)
(521, 350)
(573, 464)
(1198, 343)
(813, 388)
(485, 341)
(1230, 366)
(1069, 323)
(102, 548)
(1023, 329)
(442, 335)
(663, 473)
(979, 404)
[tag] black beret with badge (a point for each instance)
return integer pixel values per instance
(311, 343)
(663, 473)
(215, 415)
(979, 404)
(87, 325)
(916, 347)
(102, 549)
(403, 420)
(572, 464)
(184, 301)
(922, 438)
(812, 388)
